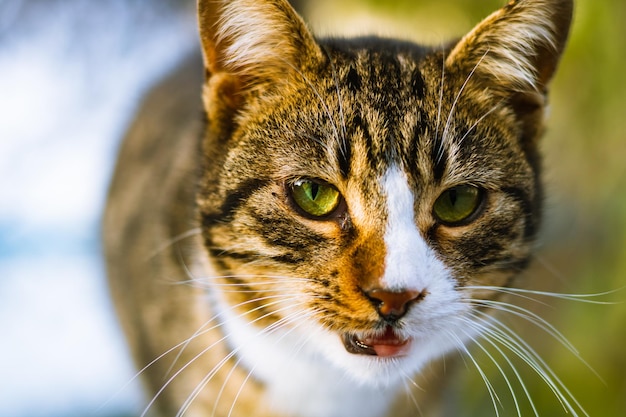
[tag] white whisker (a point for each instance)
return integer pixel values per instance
(484, 331)
(207, 378)
(320, 98)
(502, 334)
(524, 293)
(267, 330)
(208, 348)
(202, 329)
(476, 123)
(460, 346)
(440, 103)
(531, 318)
(204, 283)
(271, 329)
(408, 382)
(185, 235)
(455, 102)
(340, 102)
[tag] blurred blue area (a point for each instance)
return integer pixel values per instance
(71, 73)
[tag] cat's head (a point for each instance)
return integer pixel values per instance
(366, 194)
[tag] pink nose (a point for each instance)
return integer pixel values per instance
(392, 305)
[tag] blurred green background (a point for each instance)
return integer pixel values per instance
(582, 249)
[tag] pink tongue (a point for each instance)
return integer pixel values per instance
(388, 344)
(385, 351)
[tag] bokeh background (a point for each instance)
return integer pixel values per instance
(71, 73)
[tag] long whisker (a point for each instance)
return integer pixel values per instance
(455, 102)
(266, 331)
(408, 382)
(476, 123)
(309, 335)
(204, 282)
(303, 314)
(460, 345)
(471, 324)
(532, 359)
(531, 318)
(340, 101)
(207, 378)
(167, 352)
(276, 278)
(343, 145)
(440, 104)
(185, 235)
(215, 369)
(202, 330)
(186, 342)
(537, 320)
(319, 96)
(513, 342)
(525, 293)
(236, 286)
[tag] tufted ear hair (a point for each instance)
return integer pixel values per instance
(519, 45)
(255, 42)
(514, 53)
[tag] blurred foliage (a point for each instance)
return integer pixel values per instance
(583, 246)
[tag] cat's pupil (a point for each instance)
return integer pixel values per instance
(312, 189)
(453, 197)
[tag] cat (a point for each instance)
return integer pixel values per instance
(302, 226)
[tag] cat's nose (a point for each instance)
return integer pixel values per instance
(392, 305)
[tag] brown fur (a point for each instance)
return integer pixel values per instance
(186, 214)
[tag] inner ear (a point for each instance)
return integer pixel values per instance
(518, 47)
(252, 49)
(513, 54)
(260, 41)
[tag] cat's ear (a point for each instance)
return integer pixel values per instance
(252, 46)
(514, 53)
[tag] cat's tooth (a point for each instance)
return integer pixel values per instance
(354, 345)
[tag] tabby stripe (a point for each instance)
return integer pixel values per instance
(353, 80)
(439, 157)
(344, 156)
(358, 122)
(480, 256)
(218, 254)
(233, 201)
(417, 83)
(531, 211)
(288, 258)
(279, 232)
(480, 251)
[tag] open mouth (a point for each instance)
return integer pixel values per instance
(387, 345)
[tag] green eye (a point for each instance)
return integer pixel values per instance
(316, 199)
(457, 204)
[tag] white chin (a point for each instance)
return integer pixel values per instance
(377, 371)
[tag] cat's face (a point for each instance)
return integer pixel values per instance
(365, 195)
